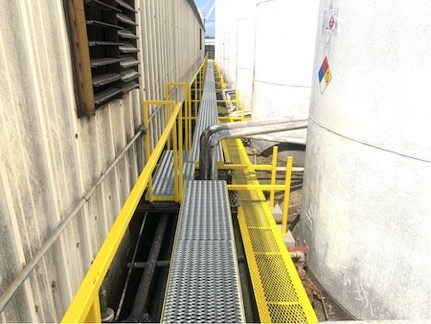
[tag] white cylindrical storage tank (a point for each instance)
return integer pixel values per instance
(365, 210)
(285, 39)
(218, 32)
(233, 40)
(227, 13)
(246, 21)
(220, 35)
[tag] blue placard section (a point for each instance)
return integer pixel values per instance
(321, 74)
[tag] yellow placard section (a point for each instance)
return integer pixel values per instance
(327, 77)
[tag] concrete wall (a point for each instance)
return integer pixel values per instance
(49, 158)
(365, 210)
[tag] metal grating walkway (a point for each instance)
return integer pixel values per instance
(207, 115)
(163, 183)
(203, 283)
(279, 292)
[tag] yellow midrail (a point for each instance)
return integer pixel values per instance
(187, 109)
(177, 139)
(85, 306)
(272, 187)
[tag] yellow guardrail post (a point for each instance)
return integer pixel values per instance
(189, 113)
(94, 315)
(237, 101)
(175, 153)
(284, 219)
(243, 111)
(273, 175)
(180, 157)
(84, 300)
(201, 78)
(168, 143)
(187, 109)
(196, 100)
(166, 98)
(145, 115)
(219, 77)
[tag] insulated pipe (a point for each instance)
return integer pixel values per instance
(141, 298)
(209, 131)
(268, 138)
(243, 132)
(216, 137)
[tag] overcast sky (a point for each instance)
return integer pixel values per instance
(209, 26)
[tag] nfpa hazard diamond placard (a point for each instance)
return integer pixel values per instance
(324, 75)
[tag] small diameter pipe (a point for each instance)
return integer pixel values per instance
(291, 140)
(141, 298)
(162, 276)
(129, 273)
(142, 265)
(215, 138)
(11, 291)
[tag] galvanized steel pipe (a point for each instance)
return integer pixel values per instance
(10, 292)
(207, 160)
(243, 132)
(139, 304)
(209, 131)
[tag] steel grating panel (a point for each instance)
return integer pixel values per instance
(280, 296)
(163, 183)
(203, 284)
(207, 115)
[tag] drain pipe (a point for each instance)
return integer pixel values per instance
(209, 131)
(217, 136)
(141, 299)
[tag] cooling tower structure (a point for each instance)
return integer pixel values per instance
(365, 211)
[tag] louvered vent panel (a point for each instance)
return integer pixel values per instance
(111, 31)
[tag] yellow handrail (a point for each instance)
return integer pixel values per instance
(187, 109)
(267, 187)
(85, 305)
(169, 105)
